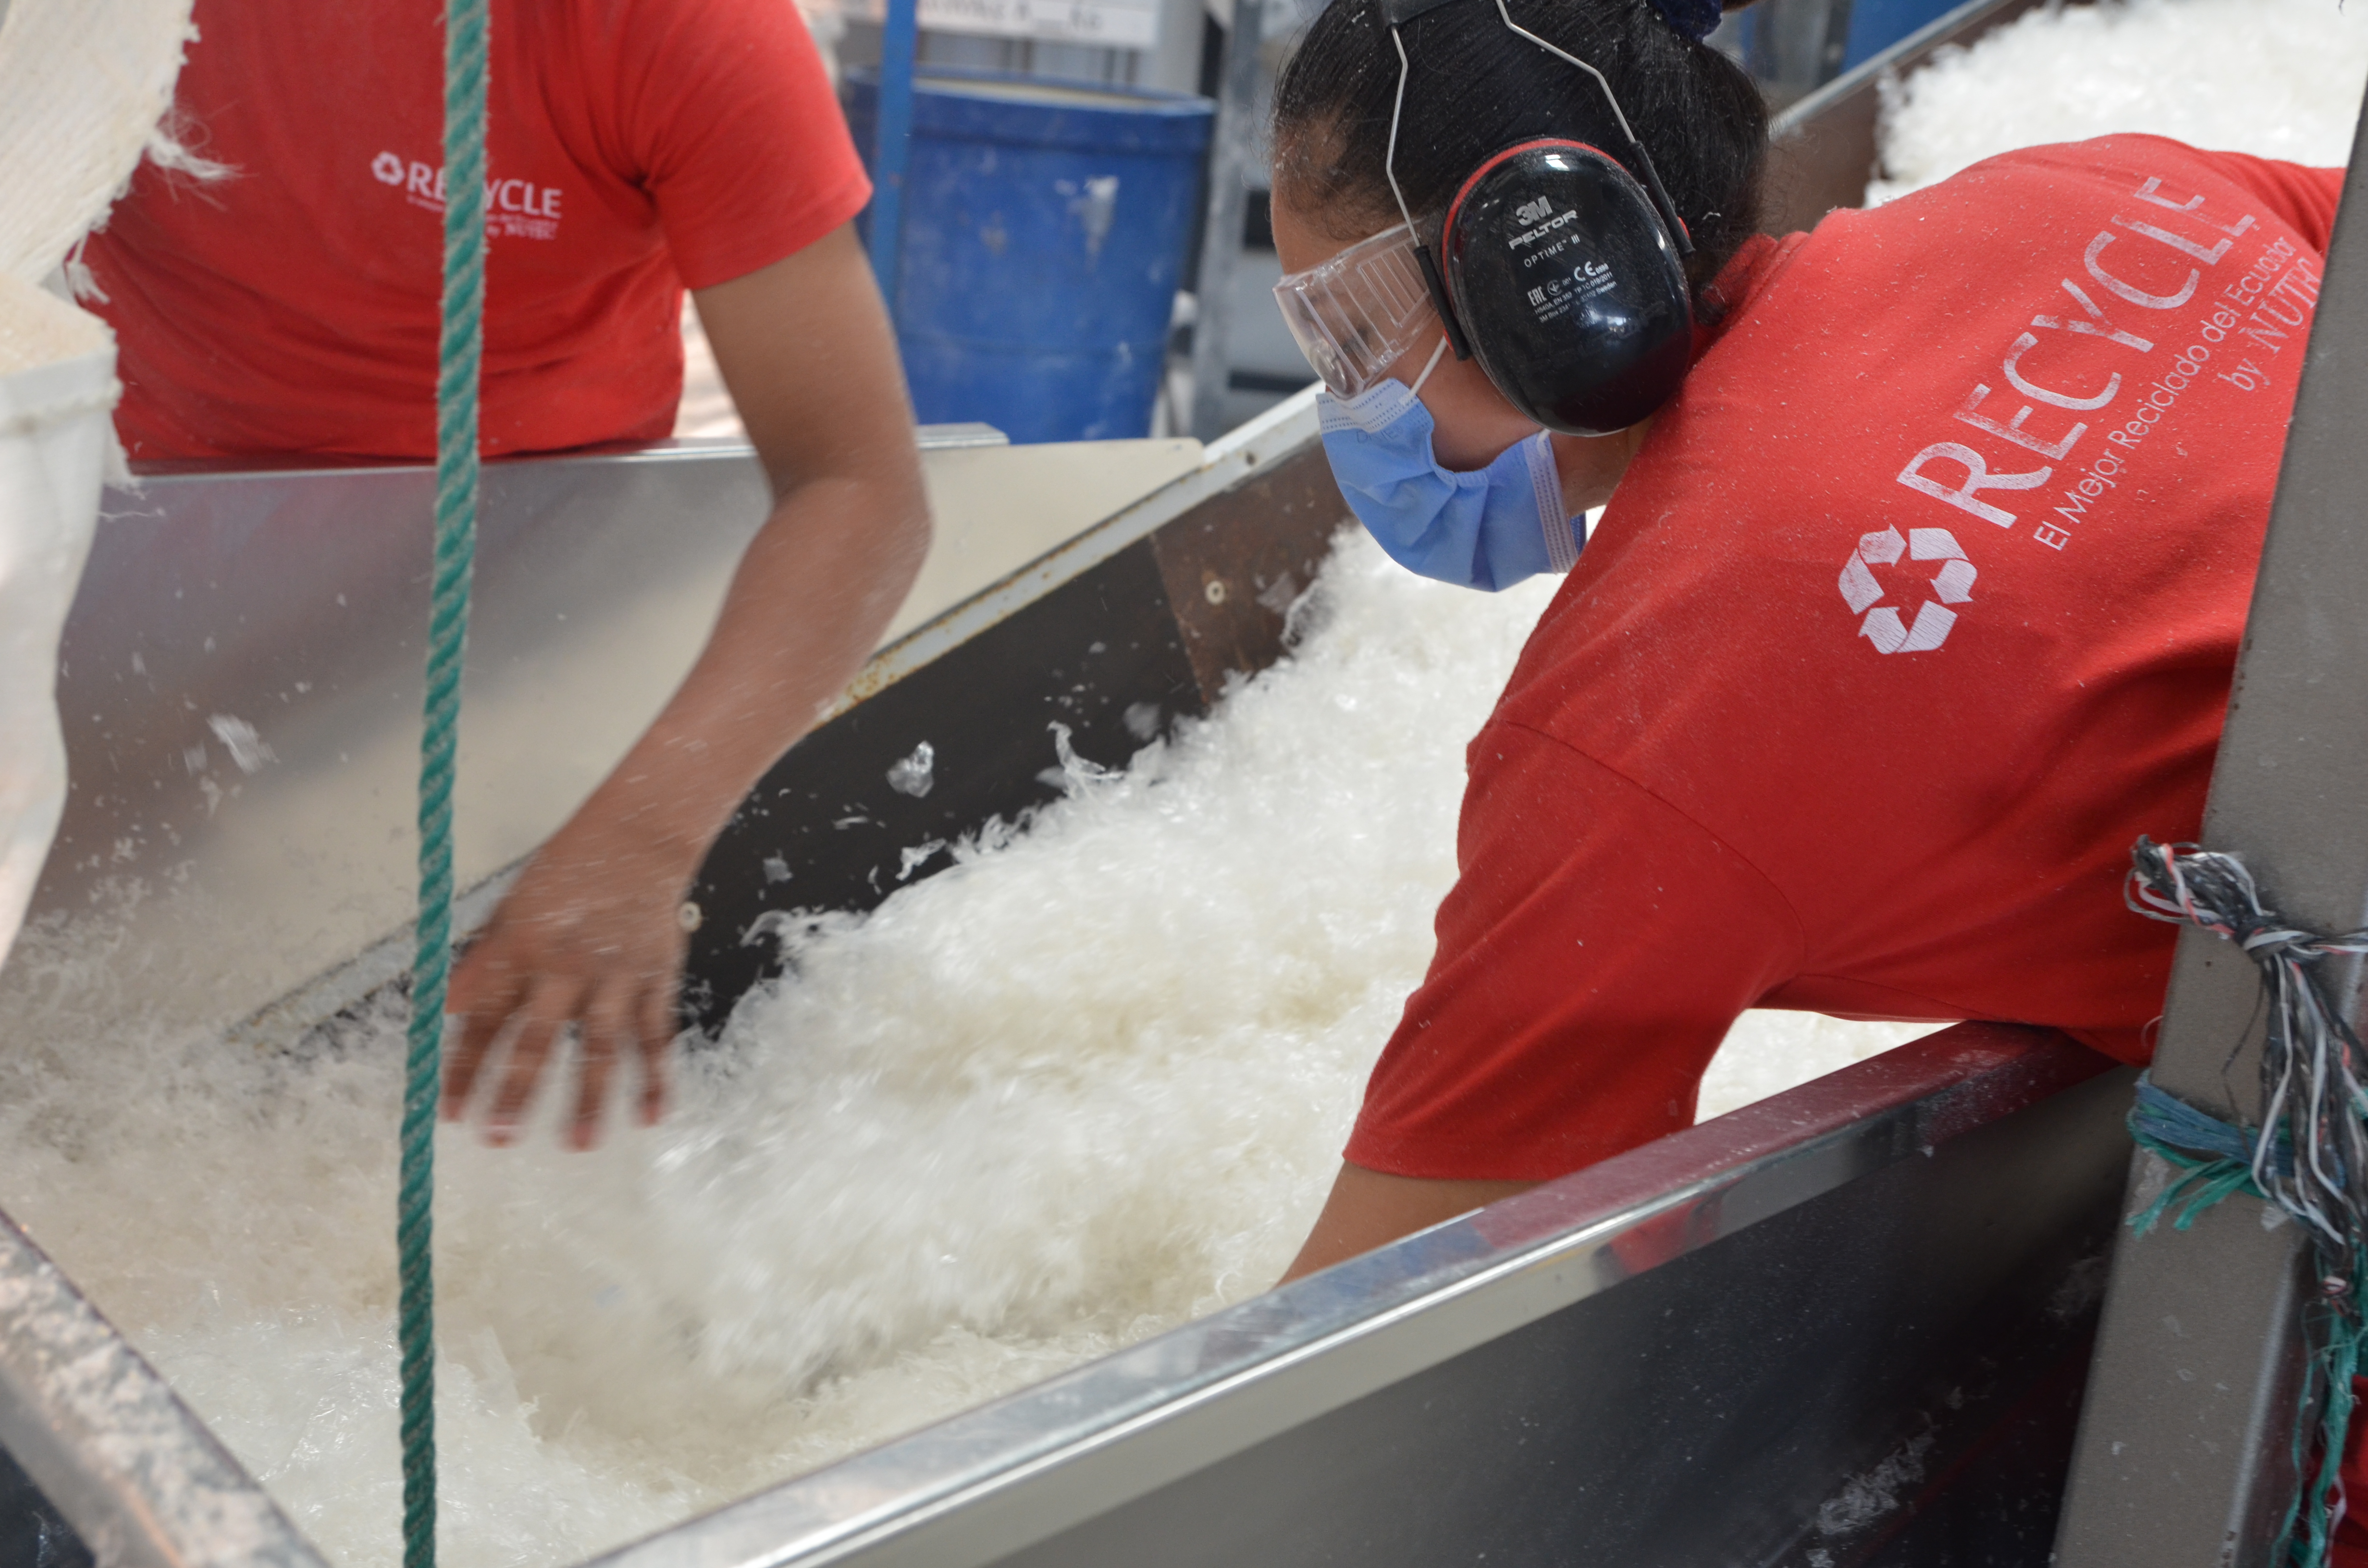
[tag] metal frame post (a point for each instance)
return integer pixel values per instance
(2184, 1455)
(1798, 46)
(892, 141)
(1231, 152)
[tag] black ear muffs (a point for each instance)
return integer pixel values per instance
(1569, 287)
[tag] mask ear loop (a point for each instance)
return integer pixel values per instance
(1668, 210)
(1423, 259)
(1429, 364)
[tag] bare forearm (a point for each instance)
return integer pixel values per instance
(1369, 1209)
(809, 604)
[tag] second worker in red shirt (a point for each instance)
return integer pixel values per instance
(289, 305)
(1929, 544)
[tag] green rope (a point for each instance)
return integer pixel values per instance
(461, 342)
(2204, 1182)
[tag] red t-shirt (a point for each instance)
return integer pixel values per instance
(1918, 606)
(635, 146)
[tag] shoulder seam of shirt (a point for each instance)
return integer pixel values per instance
(1800, 927)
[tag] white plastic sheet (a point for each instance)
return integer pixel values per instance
(57, 388)
(85, 90)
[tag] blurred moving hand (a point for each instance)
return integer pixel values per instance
(592, 935)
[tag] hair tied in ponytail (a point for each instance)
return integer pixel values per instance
(1695, 18)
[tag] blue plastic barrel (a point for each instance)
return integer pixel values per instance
(1876, 25)
(1044, 228)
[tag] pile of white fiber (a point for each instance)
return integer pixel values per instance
(2276, 78)
(1085, 1084)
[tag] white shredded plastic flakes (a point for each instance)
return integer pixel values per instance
(1087, 1084)
(2276, 78)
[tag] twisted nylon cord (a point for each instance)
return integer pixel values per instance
(460, 351)
(2308, 1154)
(2312, 1096)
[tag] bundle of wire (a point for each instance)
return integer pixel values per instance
(2304, 1149)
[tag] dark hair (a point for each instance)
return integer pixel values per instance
(1475, 86)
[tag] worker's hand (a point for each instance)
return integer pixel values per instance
(591, 937)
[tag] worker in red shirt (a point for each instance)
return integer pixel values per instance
(1927, 545)
(635, 147)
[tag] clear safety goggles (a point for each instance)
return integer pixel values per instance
(1355, 316)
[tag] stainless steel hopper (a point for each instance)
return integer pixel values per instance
(1845, 1326)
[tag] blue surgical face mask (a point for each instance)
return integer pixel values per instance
(1488, 530)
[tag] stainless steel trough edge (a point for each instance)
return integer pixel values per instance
(1015, 1471)
(1280, 433)
(140, 1478)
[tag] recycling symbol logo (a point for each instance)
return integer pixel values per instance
(1951, 585)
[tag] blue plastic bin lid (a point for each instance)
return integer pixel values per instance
(951, 104)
